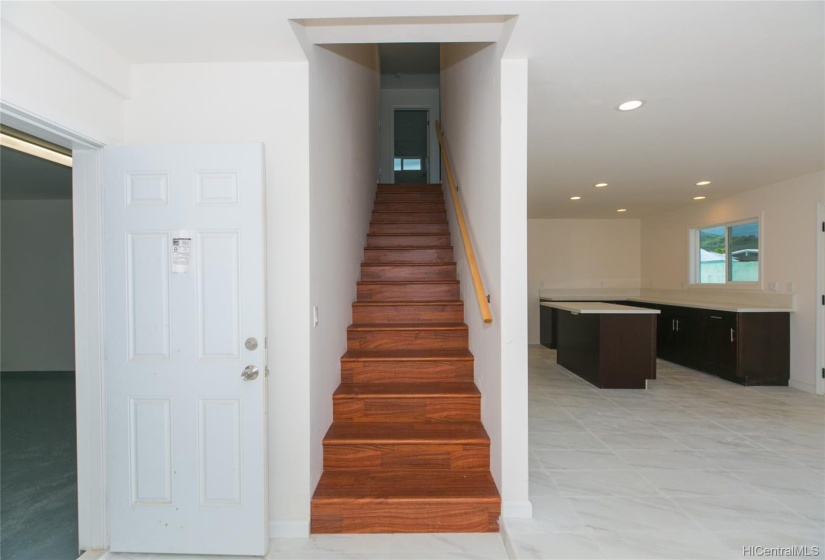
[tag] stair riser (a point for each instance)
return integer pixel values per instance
(383, 188)
(388, 272)
(453, 339)
(395, 516)
(406, 371)
(409, 218)
(406, 456)
(409, 197)
(431, 313)
(407, 292)
(395, 228)
(409, 206)
(375, 241)
(406, 409)
(424, 255)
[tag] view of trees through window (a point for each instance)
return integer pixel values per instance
(729, 253)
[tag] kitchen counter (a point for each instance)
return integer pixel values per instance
(596, 307)
(611, 346)
(714, 306)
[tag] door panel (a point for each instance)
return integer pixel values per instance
(410, 145)
(186, 440)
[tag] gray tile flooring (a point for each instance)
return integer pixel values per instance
(38, 467)
(693, 467)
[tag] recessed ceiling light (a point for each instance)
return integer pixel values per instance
(630, 105)
(702, 183)
(575, 198)
(600, 185)
(622, 210)
(698, 198)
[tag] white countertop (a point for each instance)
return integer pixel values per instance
(714, 306)
(600, 308)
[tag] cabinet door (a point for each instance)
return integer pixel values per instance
(721, 343)
(690, 349)
(546, 334)
(666, 343)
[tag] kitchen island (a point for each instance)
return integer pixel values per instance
(611, 346)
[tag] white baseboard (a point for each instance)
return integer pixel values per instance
(514, 509)
(288, 529)
(94, 554)
(807, 387)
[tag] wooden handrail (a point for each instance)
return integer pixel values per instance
(481, 295)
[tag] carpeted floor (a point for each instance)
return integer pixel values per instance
(38, 467)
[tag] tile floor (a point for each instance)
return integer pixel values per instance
(694, 467)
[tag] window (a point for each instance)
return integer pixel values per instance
(727, 253)
(406, 164)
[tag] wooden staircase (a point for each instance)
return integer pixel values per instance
(406, 451)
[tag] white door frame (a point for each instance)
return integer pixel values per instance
(820, 294)
(87, 218)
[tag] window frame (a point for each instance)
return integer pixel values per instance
(694, 255)
(422, 162)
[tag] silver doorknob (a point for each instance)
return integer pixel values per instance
(249, 373)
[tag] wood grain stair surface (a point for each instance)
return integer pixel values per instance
(406, 451)
(408, 240)
(407, 311)
(408, 433)
(403, 500)
(407, 290)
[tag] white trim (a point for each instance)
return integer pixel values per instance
(289, 529)
(516, 509)
(89, 350)
(820, 293)
(43, 127)
(802, 386)
(88, 308)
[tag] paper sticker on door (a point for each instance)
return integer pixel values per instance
(181, 251)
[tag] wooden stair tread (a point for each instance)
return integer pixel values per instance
(395, 282)
(409, 248)
(406, 390)
(423, 355)
(451, 263)
(406, 485)
(407, 432)
(415, 234)
(401, 303)
(407, 326)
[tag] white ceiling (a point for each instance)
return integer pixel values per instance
(734, 91)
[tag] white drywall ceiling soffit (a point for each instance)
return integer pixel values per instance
(417, 29)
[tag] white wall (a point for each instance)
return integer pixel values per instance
(418, 98)
(37, 286)
(59, 72)
(580, 254)
(473, 95)
(789, 238)
(343, 104)
(269, 103)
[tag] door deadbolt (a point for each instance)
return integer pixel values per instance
(251, 343)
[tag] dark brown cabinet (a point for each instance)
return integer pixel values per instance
(748, 348)
(679, 335)
(720, 343)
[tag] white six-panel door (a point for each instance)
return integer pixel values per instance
(187, 434)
